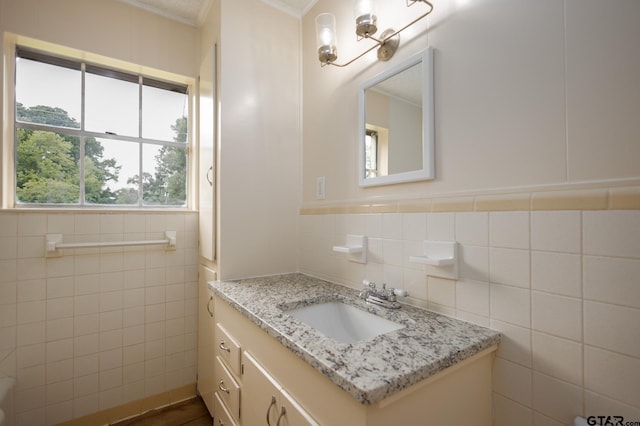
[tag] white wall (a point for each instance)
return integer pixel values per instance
(526, 93)
(110, 28)
(562, 287)
(405, 136)
(258, 157)
(537, 179)
(97, 329)
(110, 32)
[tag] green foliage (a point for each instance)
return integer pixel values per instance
(47, 166)
(34, 187)
(46, 172)
(43, 114)
(96, 174)
(127, 195)
(167, 186)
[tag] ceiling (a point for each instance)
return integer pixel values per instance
(193, 12)
(404, 85)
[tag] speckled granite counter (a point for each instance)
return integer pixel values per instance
(369, 370)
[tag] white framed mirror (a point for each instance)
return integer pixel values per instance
(396, 124)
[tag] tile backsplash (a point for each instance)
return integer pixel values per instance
(96, 328)
(100, 328)
(562, 285)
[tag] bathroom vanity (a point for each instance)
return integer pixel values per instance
(271, 368)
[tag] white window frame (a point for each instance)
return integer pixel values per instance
(11, 125)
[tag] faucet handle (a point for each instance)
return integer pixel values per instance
(369, 284)
(391, 293)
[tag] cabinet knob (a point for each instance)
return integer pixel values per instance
(283, 413)
(221, 387)
(223, 347)
(209, 309)
(273, 402)
(210, 180)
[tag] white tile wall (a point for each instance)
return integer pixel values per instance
(562, 286)
(556, 399)
(509, 230)
(558, 231)
(558, 273)
(557, 315)
(508, 412)
(558, 357)
(612, 280)
(511, 304)
(610, 327)
(510, 267)
(95, 328)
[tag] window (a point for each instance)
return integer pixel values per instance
(87, 135)
(371, 153)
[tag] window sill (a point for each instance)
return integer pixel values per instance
(101, 209)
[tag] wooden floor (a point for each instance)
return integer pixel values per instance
(187, 413)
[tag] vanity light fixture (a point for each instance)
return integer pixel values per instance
(366, 27)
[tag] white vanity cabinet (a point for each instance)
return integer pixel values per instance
(264, 397)
(222, 416)
(206, 322)
(245, 393)
(240, 381)
(227, 388)
(459, 395)
(227, 372)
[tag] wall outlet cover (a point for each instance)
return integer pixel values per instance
(320, 187)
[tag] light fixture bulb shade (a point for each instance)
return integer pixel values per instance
(326, 37)
(364, 12)
(363, 7)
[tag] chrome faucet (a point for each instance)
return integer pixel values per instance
(385, 297)
(365, 292)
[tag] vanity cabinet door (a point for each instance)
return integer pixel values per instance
(265, 402)
(228, 348)
(207, 162)
(223, 417)
(206, 353)
(227, 388)
(291, 413)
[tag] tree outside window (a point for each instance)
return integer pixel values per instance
(63, 160)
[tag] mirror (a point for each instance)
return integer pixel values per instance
(395, 129)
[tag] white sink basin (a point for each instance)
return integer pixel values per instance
(343, 323)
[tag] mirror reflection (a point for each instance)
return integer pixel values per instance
(393, 124)
(396, 124)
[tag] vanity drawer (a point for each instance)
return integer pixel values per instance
(227, 388)
(228, 349)
(223, 418)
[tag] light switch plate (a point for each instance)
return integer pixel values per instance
(320, 187)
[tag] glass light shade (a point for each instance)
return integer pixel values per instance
(363, 7)
(365, 17)
(326, 37)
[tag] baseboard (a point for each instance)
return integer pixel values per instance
(134, 408)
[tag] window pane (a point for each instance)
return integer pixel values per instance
(103, 169)
(47, 94)
(165, 171)
(371, 154)
(49, 91)
(111, 171)
(47, 167)
(164, 114)
(111, 105)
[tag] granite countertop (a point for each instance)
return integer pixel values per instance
(369, 370)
